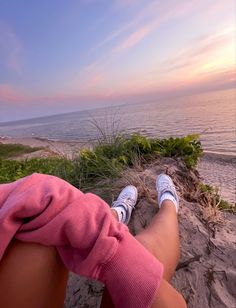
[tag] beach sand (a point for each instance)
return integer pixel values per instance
(219, 171)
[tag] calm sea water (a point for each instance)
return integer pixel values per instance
(212, 115)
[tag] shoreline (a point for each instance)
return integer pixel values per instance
(224, 157)
(59, 146)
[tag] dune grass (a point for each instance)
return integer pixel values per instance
(12, 150)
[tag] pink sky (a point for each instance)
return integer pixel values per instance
(124, 52)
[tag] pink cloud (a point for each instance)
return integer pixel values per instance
(198, 52)
(144, 13)
(210, 81)
(13, 95)
(93, 81)
(216, 80)
(136, 37)
(223, 77)
(8, 93)
(152, 11)
(217, 7)
(156, 12)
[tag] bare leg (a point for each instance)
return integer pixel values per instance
(32, 275)
(161, 238)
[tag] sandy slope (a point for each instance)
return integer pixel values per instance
(206, 274)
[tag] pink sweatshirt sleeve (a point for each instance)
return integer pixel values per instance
(47, 210)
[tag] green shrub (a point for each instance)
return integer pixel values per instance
(127, 149)
(188, 148)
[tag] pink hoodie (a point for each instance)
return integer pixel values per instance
(47, 210)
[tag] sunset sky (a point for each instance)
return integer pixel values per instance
(59, 56)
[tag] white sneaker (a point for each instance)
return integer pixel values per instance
(166, 190)
(125, 203)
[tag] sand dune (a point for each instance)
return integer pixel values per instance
(206, 274)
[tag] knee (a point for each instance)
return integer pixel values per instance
(168, 297)
(154, 245)
(21, 263)
(48, 182)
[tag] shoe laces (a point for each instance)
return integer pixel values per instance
(165, 186)
(126, 199)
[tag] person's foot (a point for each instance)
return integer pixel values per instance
(125, 203)
(166, 190)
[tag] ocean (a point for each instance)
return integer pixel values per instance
(212, 115)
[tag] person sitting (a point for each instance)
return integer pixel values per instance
(48, 227)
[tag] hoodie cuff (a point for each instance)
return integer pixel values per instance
(133, 275)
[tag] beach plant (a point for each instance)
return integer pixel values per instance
(11, 150)
(107, 128)
(210, 196)
(188, 148)
(223, 205)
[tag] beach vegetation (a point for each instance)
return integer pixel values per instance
(11, 170)
(223, 205)
(204, 188)
(109, 159)
(105, 160)
(12, 150)
(212, 196)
